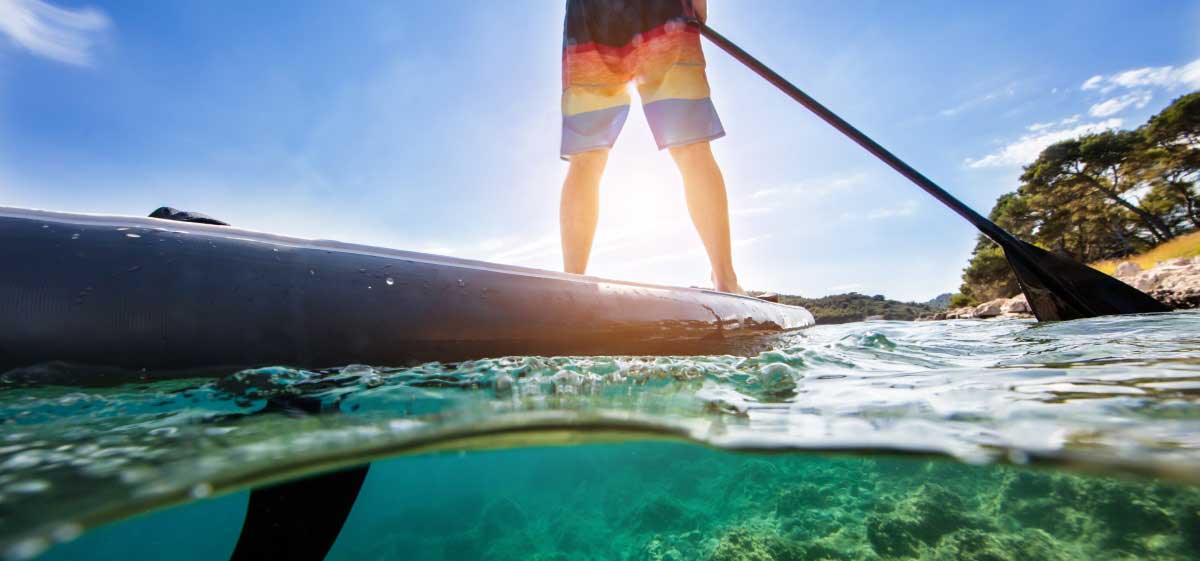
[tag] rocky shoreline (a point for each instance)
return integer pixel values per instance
(1174, 282)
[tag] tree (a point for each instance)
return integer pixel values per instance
(1172, 153)
(1103, 163)
(1099, 196)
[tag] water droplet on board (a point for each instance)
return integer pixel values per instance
(74, 236)
(132, 236)
(135, 268)
(389, 281)
(461, 283)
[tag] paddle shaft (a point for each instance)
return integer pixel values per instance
(998, 234)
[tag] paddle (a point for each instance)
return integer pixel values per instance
(1057, 287)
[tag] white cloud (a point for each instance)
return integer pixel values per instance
(1093, 83)
(905, 209)
(812, 188)
(56, 33)
(1026, 149)
(764, 193)
(1116, 105)
(1062, 123)
(1008, 91)
(1169, 77)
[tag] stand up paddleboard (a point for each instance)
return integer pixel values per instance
(163, 295)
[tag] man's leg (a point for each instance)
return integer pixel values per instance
(707, 203)
(580, 208)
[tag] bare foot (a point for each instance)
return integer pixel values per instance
(730, 287)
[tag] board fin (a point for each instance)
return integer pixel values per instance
(298, 520)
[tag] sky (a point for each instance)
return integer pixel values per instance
(434, 126)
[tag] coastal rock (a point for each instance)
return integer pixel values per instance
(1127, 269)
(1174, 282)
(1016, 305)
(990, 309)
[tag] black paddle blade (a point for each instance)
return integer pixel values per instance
(298, 520)
(1059, 288)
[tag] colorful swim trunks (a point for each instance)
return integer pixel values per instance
(656, 43)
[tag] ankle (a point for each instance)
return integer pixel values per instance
(726, 281)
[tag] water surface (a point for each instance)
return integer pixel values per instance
(573, 448)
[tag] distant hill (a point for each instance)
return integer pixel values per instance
(846, 308)
(941, 302)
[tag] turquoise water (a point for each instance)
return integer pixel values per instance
(878, 440)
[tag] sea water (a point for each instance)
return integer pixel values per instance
(879, 440)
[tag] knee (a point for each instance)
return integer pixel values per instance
(690, 154)
(590, 162)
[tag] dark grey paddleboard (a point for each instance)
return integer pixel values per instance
(160, 295)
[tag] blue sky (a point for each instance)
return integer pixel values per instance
(434, 126)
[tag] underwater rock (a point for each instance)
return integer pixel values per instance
(662, 514)
(1188, 519)
(742, 544)
(500, 517)
(921, 518)
(801, 498)
(977, 545)
(658, 550)
(749, 544)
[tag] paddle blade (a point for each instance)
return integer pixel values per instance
(298, 520)
(1059, 288)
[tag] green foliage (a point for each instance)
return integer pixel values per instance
(1098, 197)
(961, 300)
(845, 308)
(987, 275)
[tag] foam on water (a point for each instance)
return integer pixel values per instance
(1114, 394)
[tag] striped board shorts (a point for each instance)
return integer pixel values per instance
(654, 43)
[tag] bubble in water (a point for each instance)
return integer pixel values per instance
(366, 375)
(777, 377)
(28, 549)
(66, 532)
(504, 386)
(567, 382)
(30, 486)
(201, 490)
